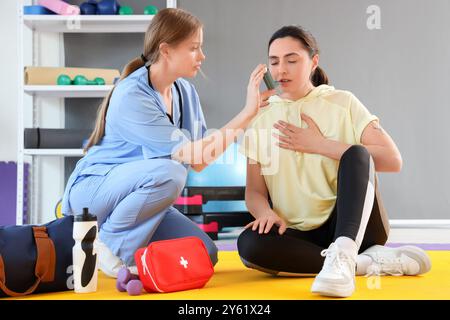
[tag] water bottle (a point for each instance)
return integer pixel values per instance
(84, 252)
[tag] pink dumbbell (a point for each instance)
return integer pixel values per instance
(126, 281)
(60, 7)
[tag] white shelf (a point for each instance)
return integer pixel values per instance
(88, 23)
(93, 91)
(54, 152)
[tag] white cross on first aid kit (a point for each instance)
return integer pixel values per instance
(183, 262)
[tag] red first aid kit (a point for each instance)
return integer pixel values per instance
(174, 265)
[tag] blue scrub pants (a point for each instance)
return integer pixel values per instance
(133, 204)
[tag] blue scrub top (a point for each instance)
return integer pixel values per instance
(137, 127)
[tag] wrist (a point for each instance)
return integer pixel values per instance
(259, 212)
(247, 115)
(322, 146)
(269, 212)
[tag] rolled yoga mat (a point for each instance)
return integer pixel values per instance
(38, 138)
(8, 192)
(49, 75)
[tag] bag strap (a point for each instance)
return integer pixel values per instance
(45, 263)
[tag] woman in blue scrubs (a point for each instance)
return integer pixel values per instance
(149, 130)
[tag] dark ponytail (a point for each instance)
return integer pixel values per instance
(100, 122)
(308, 41)
(319, 77)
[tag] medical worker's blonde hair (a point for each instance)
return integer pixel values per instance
(170, 26)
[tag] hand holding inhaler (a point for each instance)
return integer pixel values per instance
(272, 89)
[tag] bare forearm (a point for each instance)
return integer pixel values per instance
(257, 204)
(332, 149)
(199, 154)
(386, 159)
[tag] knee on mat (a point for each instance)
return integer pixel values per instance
(251, 254)
(246, 246)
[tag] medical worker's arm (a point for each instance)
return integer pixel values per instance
(201, 153)
(257, 201)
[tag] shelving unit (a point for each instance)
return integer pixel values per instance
(68, 91)
(87, 24)
(54, 152)
(28, 107)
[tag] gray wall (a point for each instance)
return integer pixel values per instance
(401, 72)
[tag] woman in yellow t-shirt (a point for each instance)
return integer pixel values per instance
(313, 154)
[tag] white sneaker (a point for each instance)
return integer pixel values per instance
(337, 277)
(133, 270)
(108, 263)
(405, 260)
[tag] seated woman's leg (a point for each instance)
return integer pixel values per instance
(357, 215)
(355, 194)
(293, 253)
(377, 230)
(360, 218)
(359, 225)
(354, 203)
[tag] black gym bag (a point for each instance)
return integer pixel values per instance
(36, 258)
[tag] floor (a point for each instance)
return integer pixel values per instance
(233, 281)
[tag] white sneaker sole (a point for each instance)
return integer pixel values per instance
(419, 255)
(415, 253)
(332, 289)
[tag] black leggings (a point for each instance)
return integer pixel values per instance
(356, 215)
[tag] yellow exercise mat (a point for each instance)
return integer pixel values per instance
(49, 75)
(233, 281)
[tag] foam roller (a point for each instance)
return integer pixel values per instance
(37, 138)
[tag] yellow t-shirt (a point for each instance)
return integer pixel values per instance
(303, 186)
